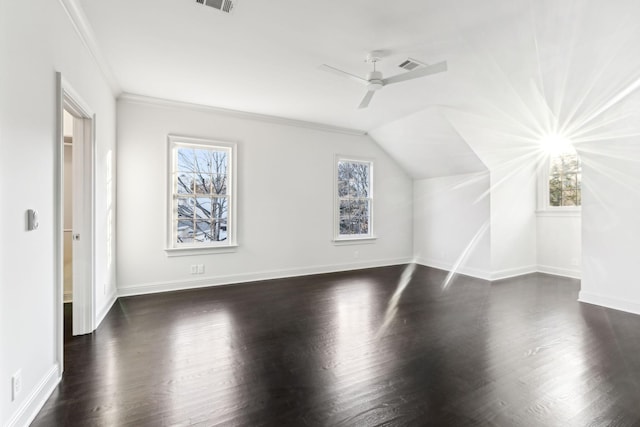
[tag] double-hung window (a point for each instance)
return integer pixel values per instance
(354, 199)
(561, 181)
(565, 176)
(202, 194)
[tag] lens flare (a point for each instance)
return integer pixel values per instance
(556, 144)
(392, 307)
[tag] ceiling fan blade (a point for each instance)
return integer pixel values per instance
(338, 72)
(367, 99)
(418, 72)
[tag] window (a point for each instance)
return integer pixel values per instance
(354, 200)
(560, 184)
(564, 181)
(202, 193)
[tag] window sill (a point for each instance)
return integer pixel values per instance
(560, 212)
(172, 252)
(354, 241)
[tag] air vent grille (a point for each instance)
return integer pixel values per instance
(410, 64)
(226, 6)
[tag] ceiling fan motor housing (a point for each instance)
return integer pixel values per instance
(375, 80)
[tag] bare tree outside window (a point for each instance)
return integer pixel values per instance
(565, 176)
(201, 197)
(354, 194)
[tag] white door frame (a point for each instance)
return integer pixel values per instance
(84, 286)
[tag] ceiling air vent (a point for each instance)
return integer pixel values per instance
(411, 64)
(222, 5)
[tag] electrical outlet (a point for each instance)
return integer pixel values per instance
(16, 384)
(194, 269)
(200, 268)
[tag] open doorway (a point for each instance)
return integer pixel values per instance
(79, 214)
(67, 143)
(75, 254)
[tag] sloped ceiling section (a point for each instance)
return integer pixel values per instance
(427, 146)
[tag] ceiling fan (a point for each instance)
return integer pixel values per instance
(374, 80)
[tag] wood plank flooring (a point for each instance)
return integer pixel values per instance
(348, 349)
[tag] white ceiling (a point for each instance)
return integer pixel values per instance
(518, 66)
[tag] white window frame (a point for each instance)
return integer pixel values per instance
(338, 238)
(544, 208)
(197, 248)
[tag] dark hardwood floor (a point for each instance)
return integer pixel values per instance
(336, 350)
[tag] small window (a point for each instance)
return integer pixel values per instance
(354, 200)
(564, 180)
(202, 199)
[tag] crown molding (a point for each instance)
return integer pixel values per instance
(84, 30)
(141, 99)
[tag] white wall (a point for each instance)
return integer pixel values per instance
(36, 40)
(513, 218)
(559, 243)
(294, 165)
(451, 223)
(611, 224)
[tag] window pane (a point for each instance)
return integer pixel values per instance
(219, 230)
(219, 184)
(185, 207)
(184, 183)
(220, 207)
(202, 231)
(564, 180)
(201, 161)
(345, 217)
(184, 231)
(210, 161)
(343, 188)
(203, 183)
(184, 157)
(344, 171)
(360, 217)
(203, 208)
(359, 180)
(354, 217)
(570, 198)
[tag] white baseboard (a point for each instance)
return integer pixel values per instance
(558, 271)
(441, 265)
(482, 274)
(111, 299)
(177, 285)
(614, 303)
(513, 272)
(28, 410)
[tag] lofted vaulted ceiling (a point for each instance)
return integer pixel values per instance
(517, 68)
